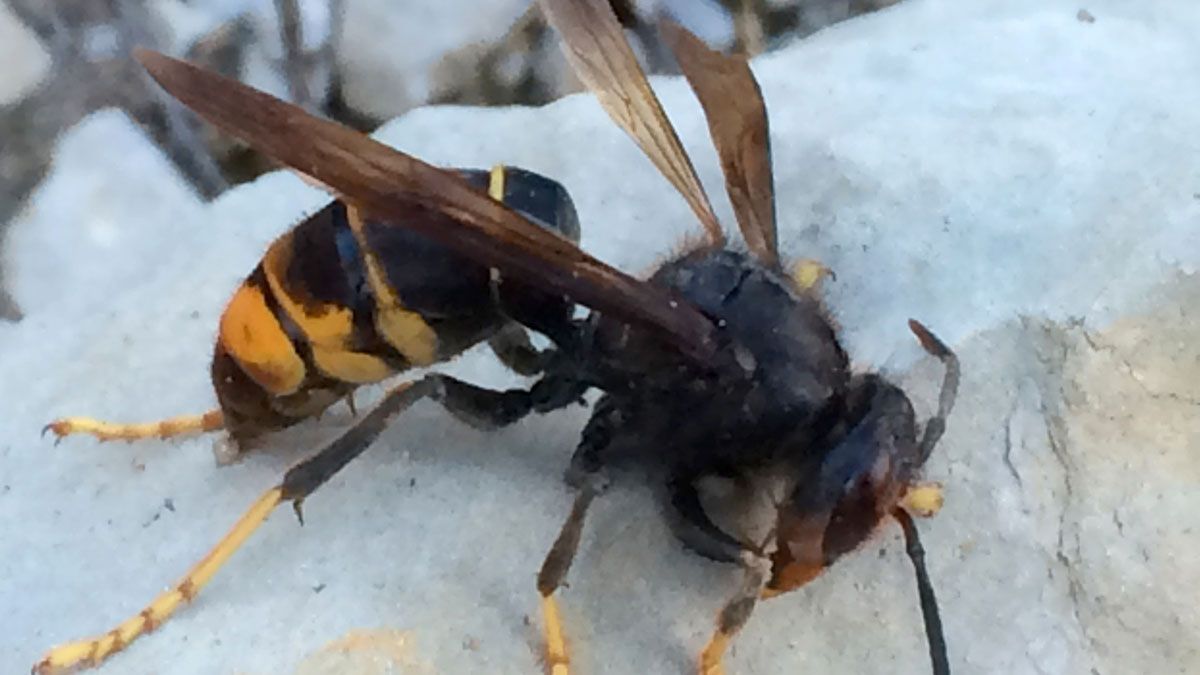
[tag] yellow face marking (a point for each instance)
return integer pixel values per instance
(403, 329)
(328, 327)
(923, 500)
(253, 337)
(496, 183)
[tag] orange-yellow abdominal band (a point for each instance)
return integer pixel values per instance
(92, 651)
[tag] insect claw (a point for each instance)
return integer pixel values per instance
(59, 428)
(297, 507)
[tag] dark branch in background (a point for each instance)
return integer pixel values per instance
(179, 133)
(472, 75)
(78, 86)
(748, 30)
(335, 100)
(295, 60)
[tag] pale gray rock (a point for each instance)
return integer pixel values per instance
(25, 60)
(83, 233)
(1022, 181)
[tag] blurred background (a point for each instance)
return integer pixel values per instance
(361, 62)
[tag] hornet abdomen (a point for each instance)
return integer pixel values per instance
(343, 300)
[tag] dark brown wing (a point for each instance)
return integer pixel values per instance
(390, 185)
(596, 47)
(737, 120)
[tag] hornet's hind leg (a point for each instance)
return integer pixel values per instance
(466, 401)
(511, 344)
(108, 431)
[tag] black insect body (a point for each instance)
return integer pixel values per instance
(777, 372)
(776, 411)
(722, 374)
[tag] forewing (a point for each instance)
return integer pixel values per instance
(737, 120)
(395, 187)
(596, 47)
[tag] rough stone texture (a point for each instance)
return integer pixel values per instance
(1021, 180)
(1072, 467)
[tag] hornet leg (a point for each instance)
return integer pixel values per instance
(755, 573)
(108, 431)
(514, 349)
(929, 608)
(461, 399)
(586, 477)
(692, 526)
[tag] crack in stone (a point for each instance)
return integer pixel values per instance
(1131, 371)
(1052, 347)
(1007, 455)
(1067, 557)
(1064, 461)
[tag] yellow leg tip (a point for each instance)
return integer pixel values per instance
(808, 274)
(923, 500)
(557, 659)
(92, 651)
(711, 659)
(66, 426)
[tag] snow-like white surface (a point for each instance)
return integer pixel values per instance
(964, 163)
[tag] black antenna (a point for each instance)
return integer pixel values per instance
(929, 608)
(937, 424)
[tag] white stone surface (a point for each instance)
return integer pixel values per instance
(1023, 182)
(25, 60)
(100, 219)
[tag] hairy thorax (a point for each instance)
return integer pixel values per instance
(778, 368)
